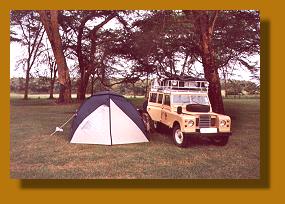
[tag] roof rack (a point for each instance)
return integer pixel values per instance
(173, 85)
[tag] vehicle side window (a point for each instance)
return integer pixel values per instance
(153, 97)
(160, 97)
(166, 100)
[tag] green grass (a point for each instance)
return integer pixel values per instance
(35, 154)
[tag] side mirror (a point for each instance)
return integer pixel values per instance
(179, 109)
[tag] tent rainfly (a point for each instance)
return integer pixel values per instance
(107, 118)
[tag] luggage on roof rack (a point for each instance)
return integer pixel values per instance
(179, 85)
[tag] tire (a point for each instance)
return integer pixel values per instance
(220, 140)
(147, 122)
(179, 138)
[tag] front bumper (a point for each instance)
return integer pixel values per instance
(198, 134)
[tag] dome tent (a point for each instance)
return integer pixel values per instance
(107, 118)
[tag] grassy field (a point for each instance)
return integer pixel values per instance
(35, 154)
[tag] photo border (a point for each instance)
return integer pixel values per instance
(268, 12)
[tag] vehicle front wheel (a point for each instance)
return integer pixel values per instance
(179, 138)
(220, 140)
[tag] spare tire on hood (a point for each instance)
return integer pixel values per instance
(198, 108)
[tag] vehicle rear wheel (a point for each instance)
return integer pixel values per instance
(179, 138)
(147, 122)
(220, 140)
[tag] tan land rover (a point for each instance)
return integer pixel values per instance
(184, 106)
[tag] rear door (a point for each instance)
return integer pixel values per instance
(154, 108)
(166, 110)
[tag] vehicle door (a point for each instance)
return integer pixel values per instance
(154, 108)
(166, 110)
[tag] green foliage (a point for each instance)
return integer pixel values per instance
(17, 85)
(162, 40)
(143, 43)
(37, 85)
(40, 85)
(236, 87)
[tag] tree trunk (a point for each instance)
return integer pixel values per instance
(134, 90)
(51, 90)
(225, 82)
(86, 70)
(215, 94)
(80, 95)
(92, 84)
(205, 27)
(51, 84)
(52, 80)
(81, 63)
(146, 88)
(101, 86)
(212, 76)
(50, 22)
(82, 87)
(27, 80)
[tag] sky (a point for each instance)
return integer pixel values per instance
(16, 51)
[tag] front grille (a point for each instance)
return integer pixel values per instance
(204, 121)
(213, 122)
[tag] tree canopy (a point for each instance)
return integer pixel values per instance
(131, 45)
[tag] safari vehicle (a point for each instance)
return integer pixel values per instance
(184, 106)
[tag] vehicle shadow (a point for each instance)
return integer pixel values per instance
(166, 134)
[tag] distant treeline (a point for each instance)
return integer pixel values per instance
(238, 87)
(41, 85)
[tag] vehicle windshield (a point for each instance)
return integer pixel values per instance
(190, 99)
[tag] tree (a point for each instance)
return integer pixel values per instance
(83, 33)
(215, 39)
(146, 43)
(204, 24)
(52, 70)
(176, 38)
(158, 42)
(224, 37)
(50, 22)
(31, 36)
(237, 87)
(151, 45)
(88, 70)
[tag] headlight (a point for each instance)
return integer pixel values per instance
(222, 123)
(190, 123)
